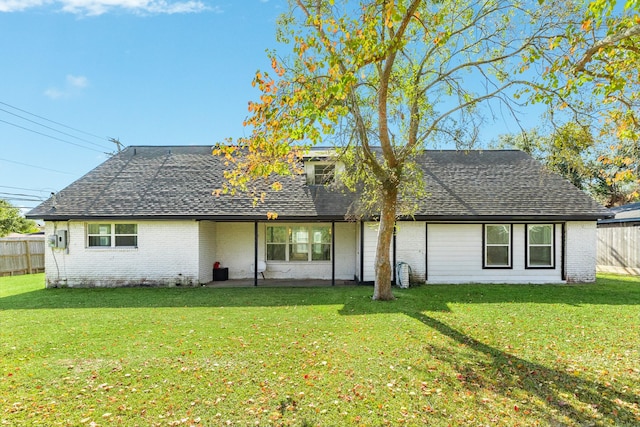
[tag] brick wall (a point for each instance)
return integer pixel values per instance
(581, 251)
(167, 255)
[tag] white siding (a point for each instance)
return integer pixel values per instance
(370, 235)
(455, 255)
(358, 251)
(346, 244)
(410, 241)
(581, 251)
(167, 254)
(206, 250)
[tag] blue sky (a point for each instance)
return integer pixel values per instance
(148, 72)
(144, 71)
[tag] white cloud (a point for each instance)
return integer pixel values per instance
(99, 7)
(77, 81)
(73, 86)
(54, 93)
(20, 5)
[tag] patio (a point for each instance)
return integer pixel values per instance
(278, 283)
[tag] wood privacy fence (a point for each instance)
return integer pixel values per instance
(21, 255)
(619, 250)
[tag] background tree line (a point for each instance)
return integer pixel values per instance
(12, 220)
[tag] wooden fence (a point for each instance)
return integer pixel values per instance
(619, 250)
(21, 255)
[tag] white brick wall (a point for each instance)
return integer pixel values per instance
(235, 250)
(207, 250)
(581, 251)
(235, 247)
(167, 255)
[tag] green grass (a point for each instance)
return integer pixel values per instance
(470, 355)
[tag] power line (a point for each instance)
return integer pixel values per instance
(38, 190)
(53, 137)
(33, 196)
(36, 167)
(50, 128)
(51, 121)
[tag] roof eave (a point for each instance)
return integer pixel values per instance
(316, 218)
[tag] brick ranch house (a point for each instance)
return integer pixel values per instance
(147, 216)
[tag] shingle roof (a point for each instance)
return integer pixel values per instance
(177, 182)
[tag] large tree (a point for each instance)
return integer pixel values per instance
(569, 150)
(382, 79)
(12, 221)
(594, 79)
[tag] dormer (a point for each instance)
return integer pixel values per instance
(321, 166)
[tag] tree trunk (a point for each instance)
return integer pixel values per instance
(382, 285)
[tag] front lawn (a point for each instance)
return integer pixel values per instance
(469, 355)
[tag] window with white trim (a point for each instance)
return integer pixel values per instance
(540, 245)
(112, 235)
(497, 245)
(323, 174)
(299, 242)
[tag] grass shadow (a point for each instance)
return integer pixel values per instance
(589, 402)
(557, 393)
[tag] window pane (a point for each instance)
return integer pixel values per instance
(540, 234)
(299, 252)
(99, 228)
(497, 234)
(299, 235)
(540, 256)
(299, 248)
(276, 234)
(276, 252)
(321, 252)
(323, 174)
(322, 234)
(99, 240)
(498, 255)
(126, 240)
(126, 229)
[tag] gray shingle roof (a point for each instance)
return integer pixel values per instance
(177, 182)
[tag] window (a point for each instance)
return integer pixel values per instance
(299, 243)
(112, 235)
(497, 246)
(540, 245)
(323, 174)
(277, 243)
(321, 247)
